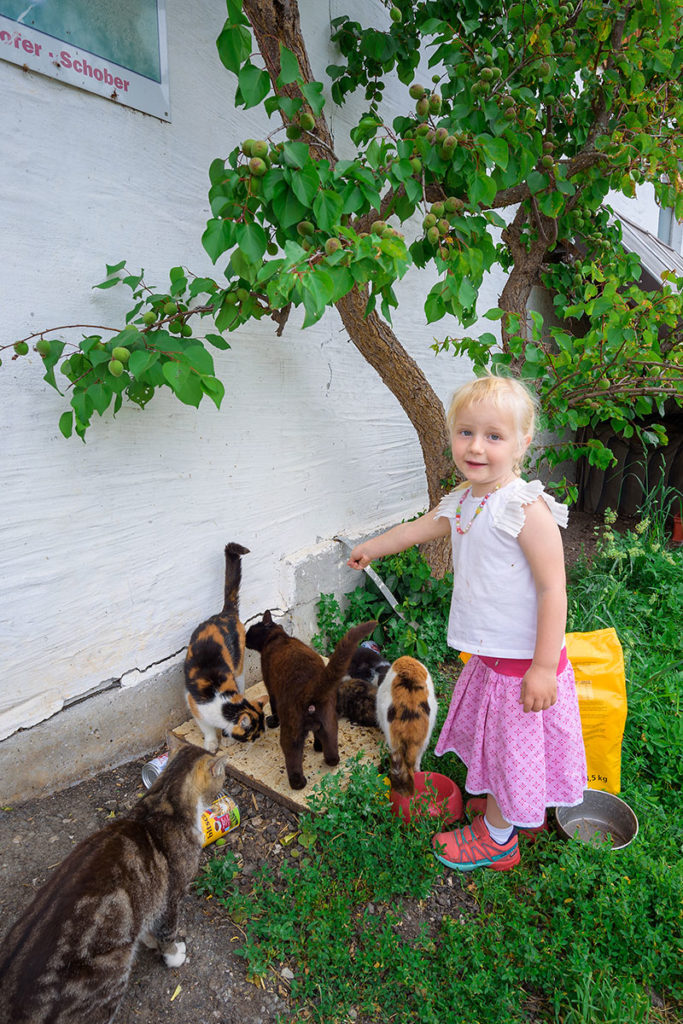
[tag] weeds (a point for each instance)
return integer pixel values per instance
(421, 599)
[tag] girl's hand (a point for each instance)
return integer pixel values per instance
(539, 689)
(358, 559)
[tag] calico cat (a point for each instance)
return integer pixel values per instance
(67, 959)
(302, 690)
(406, 709)
(214, 682)
(357, 693)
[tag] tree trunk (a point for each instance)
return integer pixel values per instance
(275, 22)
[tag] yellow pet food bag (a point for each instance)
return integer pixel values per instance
(598, 663)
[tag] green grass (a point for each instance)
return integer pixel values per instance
(575, 935)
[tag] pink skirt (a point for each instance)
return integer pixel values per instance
(528, 762)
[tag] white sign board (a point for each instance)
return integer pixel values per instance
(117, 50)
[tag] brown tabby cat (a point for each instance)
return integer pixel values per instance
(68, 958)
(302, 690)
(406, 709)
(214, 663)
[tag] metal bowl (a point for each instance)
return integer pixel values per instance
(599, 817)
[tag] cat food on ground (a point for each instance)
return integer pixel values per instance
(153, 769)
(220, 818)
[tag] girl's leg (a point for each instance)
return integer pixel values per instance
(493, 815)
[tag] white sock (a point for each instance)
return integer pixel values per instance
(499, 835)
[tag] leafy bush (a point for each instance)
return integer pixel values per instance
(421, 599)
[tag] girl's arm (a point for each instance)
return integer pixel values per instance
(541, 543)
(398, 538)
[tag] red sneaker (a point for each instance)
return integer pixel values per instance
(472, 847)
(477, 805)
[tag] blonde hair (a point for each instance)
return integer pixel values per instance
(505, 394)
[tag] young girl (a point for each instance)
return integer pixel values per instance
(514, 717)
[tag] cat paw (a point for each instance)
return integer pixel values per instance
(176, 956)
(147, 939)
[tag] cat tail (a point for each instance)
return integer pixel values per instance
(233, 574)
(343, 652)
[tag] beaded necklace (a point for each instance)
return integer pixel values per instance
(476, 511)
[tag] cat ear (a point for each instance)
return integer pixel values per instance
(261, 702)
(174, 743)
(267, 617)
(217, 767)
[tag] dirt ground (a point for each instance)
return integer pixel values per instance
(211, 987)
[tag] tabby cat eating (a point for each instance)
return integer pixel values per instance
(302, 690)
(214, 681)
(68, 957)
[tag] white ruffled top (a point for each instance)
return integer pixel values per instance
(494, 607)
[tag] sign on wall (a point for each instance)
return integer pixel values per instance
(117, 50)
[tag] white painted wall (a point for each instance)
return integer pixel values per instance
(112, 550)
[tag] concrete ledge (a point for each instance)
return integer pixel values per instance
(101, 732)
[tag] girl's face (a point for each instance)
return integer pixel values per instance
(486, 446)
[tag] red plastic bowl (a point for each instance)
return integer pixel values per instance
(435, 795)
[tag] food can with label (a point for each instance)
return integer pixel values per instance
(220, 818)
(153, 769)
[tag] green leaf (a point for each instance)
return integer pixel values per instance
(114, 268)
(537, 181)
(234, 46)
(289, 67)
(175, 374)
(252, 240)
(327, 209)
(495, 149)
(434, 305)
(82, 405)
(190, 392)
(217, 341)
(127, 337)
(218, 237)
(467, 293)
(254, 85)
(305, 184)
(287, 208)
(214, 389)
(296, 154)
(482, 189)
(199, 359)
(313, 91)
(66, 423)
(100, 396)
(141, 360)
